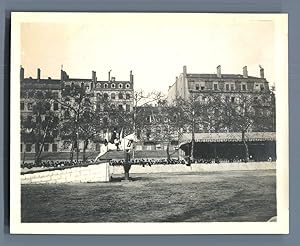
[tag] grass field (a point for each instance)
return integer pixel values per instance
(202, 197)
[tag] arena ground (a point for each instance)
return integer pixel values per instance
(160, 197)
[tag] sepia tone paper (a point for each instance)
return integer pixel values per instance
(155, 46)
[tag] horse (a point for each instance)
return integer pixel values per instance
(124, 144)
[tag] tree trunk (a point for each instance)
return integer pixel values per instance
(168, 151)
(77, 150)
(246, 147)
(83, 154)
(215, 150)
(37, 148)
(71, 153)
(86, 142)
(192, 149)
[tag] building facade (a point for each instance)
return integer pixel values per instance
(227, 94)
(120, 94)
(229, 85)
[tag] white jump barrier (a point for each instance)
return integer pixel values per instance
(85, 174)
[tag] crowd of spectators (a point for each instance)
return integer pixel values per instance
(147, 162)
(143, 162)
(55, 164)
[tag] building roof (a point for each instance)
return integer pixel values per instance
(229, 137)
(116, 81)
(41, 81)
(77, 79)
(223, 76)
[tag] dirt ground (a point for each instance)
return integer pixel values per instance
(165, 197)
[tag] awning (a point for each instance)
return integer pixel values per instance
(228, 137)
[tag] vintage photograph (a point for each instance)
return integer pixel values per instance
(149, 123)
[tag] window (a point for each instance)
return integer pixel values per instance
(138, 134)
(232, 87)
(98, 95)
(105, 95)
(113, 85)
(21, 146)
(22, 105)
(46, 147)
(149, 147)
(127, 86)
(127, 96)
(232, 99)
(139, 147)
(29, 106)
(215, 87)
(98, 85)
(202, 88)
(28, 147)
(120, 96)
(227, 87)
(120, 86)
(243, 87)
(105, 86)
(127, 107)
(55, 106)
(54, 147)
(120, 107)
(262, 87)
(197, 87)
(113, 96)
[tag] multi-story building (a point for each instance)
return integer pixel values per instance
(230, 85)
(119, 92)
(227, 141)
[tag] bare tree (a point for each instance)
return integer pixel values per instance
(193, 115)
(76, 117)
(245, 112)
(41, 125)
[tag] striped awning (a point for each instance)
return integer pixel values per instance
(228, 137)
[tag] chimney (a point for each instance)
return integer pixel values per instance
(245, 72)
(63, 75)
(184, 70)
(131, 76)
(219, 74)
(262, 71)
(21, 73)
(94, 77)
(109, 75)
(38, 73)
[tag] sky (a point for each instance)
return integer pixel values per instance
(154, 46)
